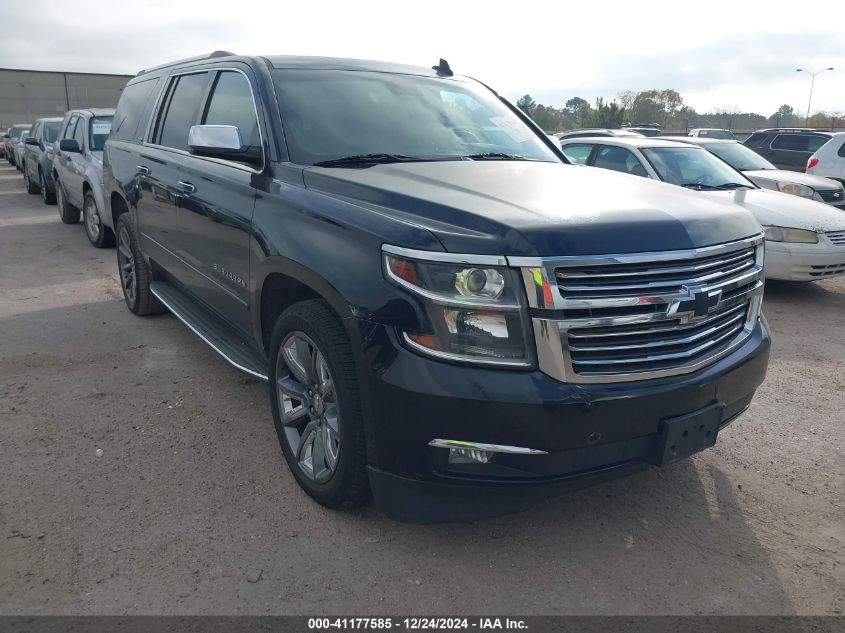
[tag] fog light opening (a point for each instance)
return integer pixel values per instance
(470, 456)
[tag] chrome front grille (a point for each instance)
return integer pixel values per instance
(646, 315)
(837, 237)
(831, 195)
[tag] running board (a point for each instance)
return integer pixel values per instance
(211, 329)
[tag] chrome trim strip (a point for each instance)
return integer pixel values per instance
(490, 448)
(636, 258)
(449, 258)
(679, 328)
(427, 351)
(742, 254)
(209, 343)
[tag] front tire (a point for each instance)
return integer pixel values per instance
(135, 275)
(46, 196)
(67, 212)
(98, 233)
(316, 405)
(30, 187)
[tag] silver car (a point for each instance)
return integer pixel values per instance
(763, 174)
(78, 172)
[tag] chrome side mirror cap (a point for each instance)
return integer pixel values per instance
(214, 137)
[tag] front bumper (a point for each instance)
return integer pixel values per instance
(590, 433)
(804, 262)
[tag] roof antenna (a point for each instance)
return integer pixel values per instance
(443, 69)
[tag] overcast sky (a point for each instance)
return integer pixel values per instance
(715, 53)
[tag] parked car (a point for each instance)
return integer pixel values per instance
(3, 144)
(423, 281)
(594, 132)
(17, 149)
(763, 174)
(805, 239)
(37, 159)
(709, 132)
(78, 172)
(646, 129)
(787, 148)
(829, 160)
(10, 137)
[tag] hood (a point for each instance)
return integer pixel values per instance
(98, 156)
(783, 175)
(526, 208)
(783, 209)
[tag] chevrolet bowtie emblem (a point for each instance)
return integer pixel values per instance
(700, 303)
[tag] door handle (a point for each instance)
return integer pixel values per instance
(143, 170)
(187, 187)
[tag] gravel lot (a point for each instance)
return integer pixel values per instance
(191, 509)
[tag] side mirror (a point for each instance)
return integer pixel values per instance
(31, 140)
(221, 141)
(70, 145)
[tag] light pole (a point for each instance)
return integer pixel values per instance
(812, 81)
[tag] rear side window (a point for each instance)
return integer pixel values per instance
(186, 94)
(577, 153)
(231, 103)
(130, 119)
(793, 142)
(758, 139)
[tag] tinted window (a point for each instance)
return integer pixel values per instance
(841, 151)
(129, 124)
(231, 104)
(716, 134)
(182, 110)
(793, 142)
(577, 154)
(757, 139)
(331, 114)
(738, 156)
(619, 159)
(100, 129)
(51, 130)
(815, 142)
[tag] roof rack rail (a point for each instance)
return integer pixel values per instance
(186, 60)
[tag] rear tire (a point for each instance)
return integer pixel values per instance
(314, 383)
(67, 212)
(98, 233)
(135, 275)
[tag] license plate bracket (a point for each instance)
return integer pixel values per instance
(687, 434)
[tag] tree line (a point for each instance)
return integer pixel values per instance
(665, 108)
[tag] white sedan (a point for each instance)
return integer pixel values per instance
(805, 239)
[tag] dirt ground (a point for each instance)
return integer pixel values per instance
(191, 509)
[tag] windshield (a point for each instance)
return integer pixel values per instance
(693, 166)
(51, 130)
(100, 130)
(332, 114)
(739, 156)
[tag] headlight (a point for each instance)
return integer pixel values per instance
(796, 190)
(785, 234)
(476, 313)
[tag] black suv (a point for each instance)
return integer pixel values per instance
(787, 148)
(445, 312)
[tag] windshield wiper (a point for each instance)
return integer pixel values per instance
(366, 160)
(493, 156)
(732, 185)
(698, 185)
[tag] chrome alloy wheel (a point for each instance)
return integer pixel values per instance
(308, 406)
(126, 265)
(92, 218)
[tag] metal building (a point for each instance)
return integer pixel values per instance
(26, 95)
